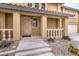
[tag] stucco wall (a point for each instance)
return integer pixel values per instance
(8, 21)
(74, 18)
(2, 20)
(52, 23)
(52, 7)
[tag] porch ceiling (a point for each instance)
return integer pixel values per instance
(39, 11)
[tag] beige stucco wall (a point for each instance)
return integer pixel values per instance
(52, 23)
(78, 27)
(8, 21)
(52, 7)
(2, 23)
(73, 20)
(16, 26)
(44, 26)
(65, 26)
(2, 20)
(78, 22)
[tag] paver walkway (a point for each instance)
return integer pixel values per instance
(33, 47)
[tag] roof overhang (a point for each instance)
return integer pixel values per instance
(39, 11)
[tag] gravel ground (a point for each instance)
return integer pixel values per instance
(12, 47)
(60, 47)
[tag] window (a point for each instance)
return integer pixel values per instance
(29, 4)
(43, 6)
(37, 5)
(34, 22)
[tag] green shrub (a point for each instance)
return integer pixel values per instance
(66, 38)
(4, 44)
(73, 50)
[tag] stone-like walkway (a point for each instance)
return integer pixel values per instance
(60, 47)
(33, 47)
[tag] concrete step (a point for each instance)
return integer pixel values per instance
(33, 46)
(34, 52)
(46, 54)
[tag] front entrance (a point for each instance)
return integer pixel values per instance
(30, 26)
(26, 29)
(35, 26)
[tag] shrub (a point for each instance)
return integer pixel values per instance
(66, 38)
(73, 50)
(50, 40)
(4, 44)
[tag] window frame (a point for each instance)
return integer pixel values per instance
(43, 6)
(35, 25)
(37, 5)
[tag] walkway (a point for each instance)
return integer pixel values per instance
(74, 36)
(33, 47)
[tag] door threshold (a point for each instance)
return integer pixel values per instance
(26, 35)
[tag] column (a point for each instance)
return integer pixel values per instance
(60, 27)
(45, 6)
(63, 10)
(60, 23)
(66, 27)
(44, 26)
(39, 5)
(16, 26)
(59, 7)
(33, 5)
(2, 20)
(2, 25)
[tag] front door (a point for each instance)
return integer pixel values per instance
(26, 26)
(35, 27)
